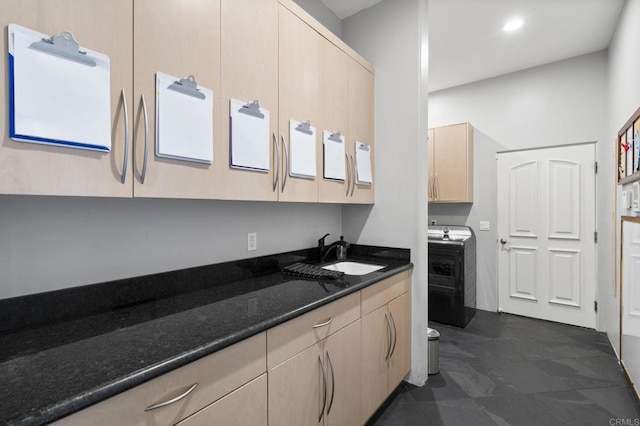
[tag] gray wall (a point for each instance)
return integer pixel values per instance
(323, 14)
(560, 103)
(624, 99)
(48, 243)
(392, 35)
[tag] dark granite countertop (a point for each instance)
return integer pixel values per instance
(65, 350)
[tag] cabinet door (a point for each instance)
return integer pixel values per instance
(246, 406)
(361, 89)
(344, 371)
(299, 55)
(249, 72)
(296, 389)
(375, 350)
(334, 101)
(26, 168)
(178, 39)
(400, 358)
(453, 168)
(431, 142)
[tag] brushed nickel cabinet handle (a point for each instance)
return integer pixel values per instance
(126, 137)
(333, 383)
(285, 163)
(386, 318)
(353, 177)
(172, 400)
(348, 175)
(276, 174)
(395, 334)
(322, 324)
(324, 382)
(146, 139)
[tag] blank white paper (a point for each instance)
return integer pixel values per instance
(184, 124)
(249, 138)
(363, 164)
(58, 101)
(334, 158)
(302, 158)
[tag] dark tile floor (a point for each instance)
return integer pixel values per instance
(508, 370)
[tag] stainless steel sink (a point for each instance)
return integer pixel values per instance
(353, 268)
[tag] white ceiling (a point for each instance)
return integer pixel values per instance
(345, 8)
(466, 41)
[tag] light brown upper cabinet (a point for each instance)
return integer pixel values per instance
(179, 39)
(299, 76)
(360, 128)
(451, 164)
(26, 168)
(334, 83)
(249, 73)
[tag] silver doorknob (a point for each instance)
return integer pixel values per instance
(503, 241)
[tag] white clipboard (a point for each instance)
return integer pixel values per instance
(334, 156)
(363, 164)
(59, 92)
(184, 119)
(302, 143)
(249, 136)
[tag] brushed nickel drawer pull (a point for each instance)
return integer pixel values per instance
(322, 324)
(172, 400)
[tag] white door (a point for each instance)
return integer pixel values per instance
(546, 226)
(630, 294)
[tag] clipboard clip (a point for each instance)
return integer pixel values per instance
(64, 46)
(252, 109)
(187, 86)
(363, 146)
(305, 128)
(335, 137)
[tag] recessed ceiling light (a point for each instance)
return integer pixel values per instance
(513, 24)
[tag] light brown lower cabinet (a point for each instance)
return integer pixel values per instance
(246, 406)
(216, 376)
(320, 385)
(386, 346)
(333, 366)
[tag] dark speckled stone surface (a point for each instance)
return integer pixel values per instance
(65, 350)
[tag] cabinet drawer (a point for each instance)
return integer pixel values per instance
(246, 406)
(292, 337)
(216, 375)
(385, 291)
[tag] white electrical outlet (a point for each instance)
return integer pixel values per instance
(485, 225)
(252, 241)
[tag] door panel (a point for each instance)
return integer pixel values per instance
(546, 218)
(400, 357)
(249, 61)
(295, 389)
(564, 277)
(33, 169)
(299, 64)
(375, 347)
(564, 200)
(344, 371)
(178, 39)
(523, 193)
(523, 267)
